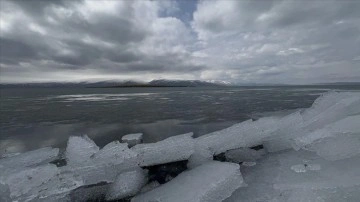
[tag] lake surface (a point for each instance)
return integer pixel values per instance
(36, 117)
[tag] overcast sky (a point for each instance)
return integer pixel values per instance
(238, 41)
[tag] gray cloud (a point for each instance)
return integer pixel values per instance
(282, 41)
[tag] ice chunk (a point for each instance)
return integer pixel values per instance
(326, 110)
(116, 153)
(338, 147)
(244, 154)
(132, 139)
(152, 185)
(79, 149)
(57, 188)
(285, 129)
(30, 158)
(213, 181)
(27, 181)
(347, 105)
(172, 149)
(245, 134)
(200, 156)
(104, 165)
(4, 193)
(93, 192)
(127, 184)
(348, 125)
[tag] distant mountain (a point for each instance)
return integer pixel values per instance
(184, 83)
(121, 84)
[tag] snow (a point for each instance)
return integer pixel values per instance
(132, 139)
(213, 181)
(127, 184)
(172, 149)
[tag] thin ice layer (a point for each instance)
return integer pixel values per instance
(176, 148)
(127, 184)
(210, 182)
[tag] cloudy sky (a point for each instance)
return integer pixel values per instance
(280, 41)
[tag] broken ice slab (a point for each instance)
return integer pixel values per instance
(338, 147)
(127, 184)
(93, 192)
(26, 182)
(210, 182)
(132, 139)
(172, 149)
(4, 193)
(348, 125)
(244, 154)
(57, 188)
(279, 139)
(245, 134)
(150, 186)
(115, 153)
(201, 155)
(30, 158)
(104, 165)
(79, 150)
(326, 110)
(349, 105)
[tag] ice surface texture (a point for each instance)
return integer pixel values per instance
(172, 149)
(310, 155)
(210, 182)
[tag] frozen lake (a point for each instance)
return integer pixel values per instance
(37, 117)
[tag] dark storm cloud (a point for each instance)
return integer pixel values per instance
(281, 41)
(83, 35)
(240, 41)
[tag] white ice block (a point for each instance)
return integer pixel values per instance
(246, 134)
(26, 182)
(132, 139)
(106, 164)
(79, 150)
(348, 125)
(30, 158)
(148, 187)
(210, 182)
(201, 155)
(172, 149)
(127, 184)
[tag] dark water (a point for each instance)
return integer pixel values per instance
(31, 118)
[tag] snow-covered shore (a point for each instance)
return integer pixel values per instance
(309, 155)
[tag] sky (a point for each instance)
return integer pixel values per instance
(269, 41)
